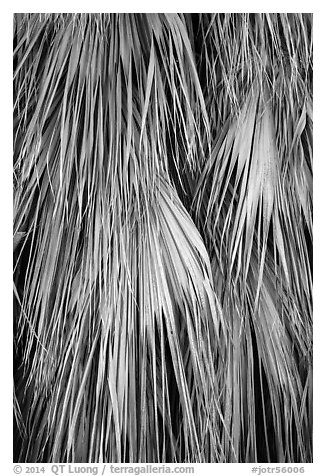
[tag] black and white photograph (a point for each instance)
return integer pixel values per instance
(163, 238)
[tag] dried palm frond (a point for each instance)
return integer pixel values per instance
(162, 237)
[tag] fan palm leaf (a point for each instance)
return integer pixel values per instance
(162, 237)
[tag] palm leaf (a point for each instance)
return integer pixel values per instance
(162, 237)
